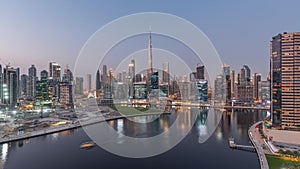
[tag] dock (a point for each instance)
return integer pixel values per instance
(232, 144)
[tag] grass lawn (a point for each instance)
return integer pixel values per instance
(134, 110)
(277, 163)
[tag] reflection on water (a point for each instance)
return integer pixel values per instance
(61, 150)
(4, 151)
(54, 136)
(205, 120)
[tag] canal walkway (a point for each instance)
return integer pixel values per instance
(60, 128)
(255, 139)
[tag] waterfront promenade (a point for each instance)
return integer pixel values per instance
(257, 142)
(79, 123)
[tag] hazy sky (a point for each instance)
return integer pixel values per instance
(37, 32)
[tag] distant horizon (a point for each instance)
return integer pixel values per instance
(31, 33)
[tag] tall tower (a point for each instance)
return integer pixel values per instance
(98, 82)
(32, 81)
(79, 85)
(104, 76)
(24, 85)
(11, 85)
(89, 82)
(200, 72)
(232, 83)
(150, 70)
(67, 76)
(257, 86)
(285, 84)
(131, 76)
(54, 71)
(131, 70)
(166, 76)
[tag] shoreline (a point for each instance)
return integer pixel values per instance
(68, 127)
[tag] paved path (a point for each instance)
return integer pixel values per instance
(257, 143)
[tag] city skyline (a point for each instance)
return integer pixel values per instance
(140, 82)
(244, 32)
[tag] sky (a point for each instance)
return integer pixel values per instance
(37, 32)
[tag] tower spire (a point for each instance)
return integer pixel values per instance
(150, 69)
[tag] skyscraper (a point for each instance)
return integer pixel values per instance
(65, 94)
(247, 73)
(1, 84)
(200, 72)
(232, 84)
(44, 74)
(219, 93)
(24, 85)
(98, 82)
(79, 85)
(226, 74)
(166, 75)
(131, 75)
(154, 80)
(54, 79)
(89, 82)
(11, 86)
(54, 71)
(67, 76)
(150, 68)
(138, 78)
(42, 91)
(131, 70)
(104, 76)
(257, 87)
(244, 86)
(285, 75)
(31, 82)
(202, 91)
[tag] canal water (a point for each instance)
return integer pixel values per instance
(61, 150)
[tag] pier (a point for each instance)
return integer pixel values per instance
(232, 144)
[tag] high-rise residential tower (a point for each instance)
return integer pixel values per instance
(244, 86)
(54, 71)
(32, 78)
(11, 86)
(285, 79)
(257, 87)
(24, 85)
(79, 85)
(89, 82)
